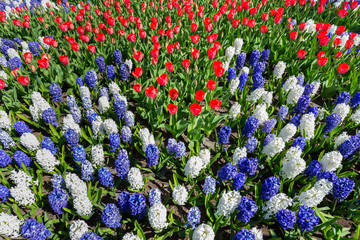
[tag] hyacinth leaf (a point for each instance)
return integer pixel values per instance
(139, 230)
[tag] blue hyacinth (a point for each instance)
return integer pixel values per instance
(258, 81)
(122, 164)
(313, 169)
(342, 188)
(137, 204)
(120, 108)
(286, 218)
(90, 236)
(224, 135)
(240, 60)
(56, 92)
(227, 172)
(254, 58)
(152, 154)
(231, 73)
(265, 54)
(296, 120)
(239, 181)
(301, 79)
(21, 157)
(313, 110)
(283, 111)
(110, 71)
(244, 234)
(105, 177)
(251, 144)
(154, 196)
(269, 125)
(21, 127)
(124, 72)
(171, 146)
(129, 119)
(355, 101)
(268, 139)
(5, 159)
(193, 217)
(126, 134)
(247, 209)
(4, 193)
(91, 78)
(299, 142)
(259, 68)
(350, 146)
(49, 116)
(344, 97)
(6, 140)
(58, 199)
(331, 122)
(209, 185)
(117, 57)
(243, 79)
(86, 102)
(14, 63)
(306, 219)
(79, 153)
(91, 115)
(248, 165)
(80, 82)
(32, 229)
(71, 137)
(308, 89)
(114, 140)
(104, 92)
(302, 104)
(270, 188)
(100, 62)
(111, 216)
(250, 126)
(330, 176)
(123, 201)
(58, 181)
(87, 171)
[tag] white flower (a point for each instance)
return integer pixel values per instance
(84, 92)
(244, 70)
(267, 98)
(314, 196)
(307, 126)
(355, 117)
(146, 138)
(276, 203)
(228, 202)
(129, 63)
(97, 155)
(5, 122)
(83, 205)
(29, 141)
(135, 179)
(293, 152)
(3, 75)
(226, 65)
(97, 127)
(333, 29)
(205, 156)
(275, 146)
(39, 102)
(22, 194)
(342, 109)
(44, 45)
(229, 53)
(234, 84)
(321, 114)
(104, 104)
(157, 216)
(238, 43)
(289, 84)
(294, 94)
(77, 229)
(180, 195)
(331, 161)
(341, 138)
(21, 178)
(260, 113)
(34, 112)
(310, 26)
(46, 160)
(12, 53)
(234, 110)
(287, 132)
(68, 122)
(193, 167)
(255, 95)
(258, 233)
(357, 40)
(114, 88)
(109, 126)
(10, 225)
(130, 236)
(316, 87)
(203, 232)
(279, 69)
(292, 168)
(238, 153)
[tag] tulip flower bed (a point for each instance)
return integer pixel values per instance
(179, 119)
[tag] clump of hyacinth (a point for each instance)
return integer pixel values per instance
(306, 219)
(56, 92)
(137, 205)
(4, 193)
(49, 145)
(239, 181)
(152, 154)
(176, 148)
(247, 209)
(224, 135)
(180, 195)
(105, 177)
(342, 188)
(248, 165)
(203, 231)
(209, 185)
(111, 216)
(228, 203)
(32, 229)
(286, 218)
(21, 128)
(227, 172)
(90, 236)
(244, 234)
(58, 199)
(250, 126)
(193, 217)
(91, 78)
(313, 169)
(122, 164)
(154, 196)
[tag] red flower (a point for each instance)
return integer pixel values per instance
(43, 63)
(100, 37)
(169, 66)
(170, 34)
(138, 72)
(195, 38)
(293, 35)
(138, 55)
(265, 17)
(26, 24)
(64, 59)
(343, 68)
(75, 47)
(195, 54)
(154, 60)
(193, 27)
(349, 44)
(195, 109)
(235, 23)
(199, 95)
(163, 79)
(337, 42)
(23, 80)
(263, 29)
(342, 13)
(212, 53)
(277, 19)
(320, 55)
(151, 92)
(154, 53)
(301, 54)
(251, 23)
(338, 55)
(137, 87)
(211, 85)
(63, 27)
(142, 34)
(215, 104)
(28, 57)
(131, 37)
(322, 61)
(17, 22)
(173, 93)
(340, 30)
(172, 108)
(253, 11)
(177, 45)
(302, 26)
(170, 48)
(186, 63)
(219, 72)
(2, 84)
(109, 30)
(92, 49)
(217, 45)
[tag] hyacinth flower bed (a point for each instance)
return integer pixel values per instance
(174, 119)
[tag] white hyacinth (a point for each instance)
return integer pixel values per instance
(355, 117)
(69, 122)
(23, 195)
(83, 205)
(114, 88)
(255, 95)
(279, 69)
(21, 178)
(234, 84)
(135, 179)
(3, 75)
(293, 168)
(340, 139)
(342, 109)
(129, 63)
(228, 202)
(226, 65)
(104, 104)
(10, 225)
(276, 203)
(316, 87)
(12, 53)
(193, 167)
(260, 113)
(238, 43)
(157, 216)
(293, 152)
(146, 138)
(287, 132)
(180, 195)
(205, 156)
(229, 53)
(289, 84)
(203, 232)
(97, 155)
(46, 160)
(310, 26)
(234, 110)
(39, 102)
(267, 98)
(244, 70)
(274, 147)
(238, 153)
(331, 161)
(97, 127)
(29, 141)
(110, 126)
(77, 229)
(5, 122)
(314, 196)
(84, 92)
(307, 126)
(294, 94)
(130, 236)
(44, 45)
(258, 233)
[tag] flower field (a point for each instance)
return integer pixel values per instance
(179, 119)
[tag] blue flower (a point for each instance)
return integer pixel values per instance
(100, 62)
(90, 236)
(80, 82)
(231, 73)
(71, 137)
(58, 199)
(123, 201)
(254, 58)
(313, 110)
(308, 89)
(224, 135)
(137, 204)
(21, 157)
(331, 122)
(269, 125)
(302, 104)
(243, 79)
(104, 92)
(114, 139)
(248, 165)
(300, 79)
(126, 134)
(342, 188)
(56, 92)
(111, 216)
(250, 126)
(350, 146)
(129, 119)
(247, 209)
(227, 172)
(268, 139)
(258, 81)
(4, 193)
(21, 128)
(265, 54)
(193, 217)
(270, 188)
(105, 177)
(355, 101)
(343, 97)
(91, 115)
(313, 169)
(239, 181)
(122, 164)
(71, 101)
(14, 63)
(286, 218)
(154, 196)
(32, 229)
(57, 181)
(49, 116)
(86, 102)
(6, 140)
(296, 120)
(171, 146)
(79, 154)
(306, 219)
(244, 234)
(110, 71)
(120, 108)
(34, 48)
(180, 150)
(259, 68)
(152, 154)
(124, 72)
(209, 185)
(87, 171)
(299, 142)
(91, 78)
(251, 144)
(330, 176)
(240, 60)
(283, 111)
(5, 159)
(117, 57)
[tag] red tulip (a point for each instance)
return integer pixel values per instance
(349, 44)
(245, 21)
(342, 13)
(186, 63)
(2, 84)
(163, 79)
(170, 34)
(64, 59)
(92, 49)
(338, 55)
(337, 42)
(322, 61)
(263, 29)
(109, 30)
(195, 54)
(43, 63)
(137, 72)
(293, 35)
(17, 22)
(193, 27)
(23, 80)
(28, 57)
(212, 53)
(265, 17)
(217, 45)
(219, 72)
(195, 109)
(137, 87)
(199, 95)
(170, 48)
(172, 108)
(211, 85)
(340, 30)
(320, 55)
(169, 66)
(100, 37)
(215, 104)
(301, 54)
(235, 23)
(154, 60)
(195, 38)
(26, 24)
(343, 68)
(277, 19)
(173, 93)
(75, 47)
(151, 92)
(138, 55)
(302, 26)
